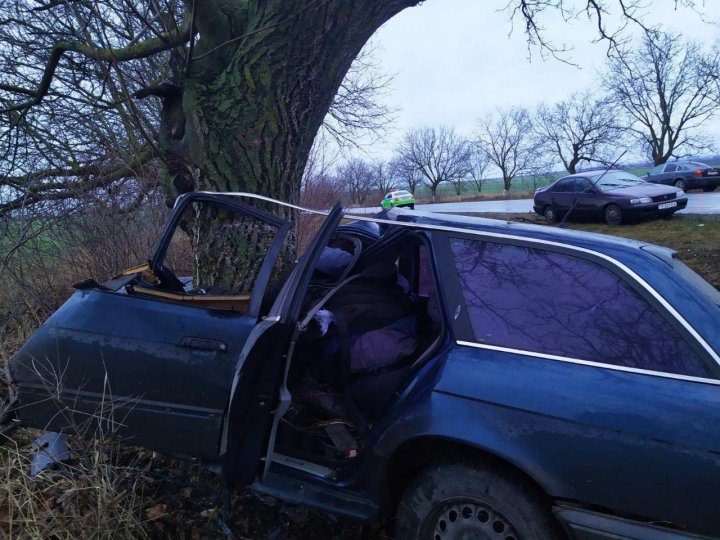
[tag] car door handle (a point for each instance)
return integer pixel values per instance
(203, 344)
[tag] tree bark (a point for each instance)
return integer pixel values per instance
(251, 106)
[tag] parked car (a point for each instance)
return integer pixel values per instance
(614, 196)
(396, 198)
(685, 175)
(523, 382)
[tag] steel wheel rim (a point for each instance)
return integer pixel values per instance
(613, 215)
(549, 214)
(468, 519)
(680, 184)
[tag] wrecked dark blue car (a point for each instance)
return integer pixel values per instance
(473, 378)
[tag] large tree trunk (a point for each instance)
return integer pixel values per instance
(252, 107)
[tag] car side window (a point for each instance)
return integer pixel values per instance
(670, 168)
(564, 185)
(581, 184)
(551, 303)
(657, 169)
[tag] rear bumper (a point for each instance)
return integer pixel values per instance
(705, 181)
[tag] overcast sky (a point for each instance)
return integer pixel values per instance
(455, 60)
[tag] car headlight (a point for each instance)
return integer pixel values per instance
(641, 200)
(680, 193)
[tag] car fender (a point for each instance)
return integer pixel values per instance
(467, 422)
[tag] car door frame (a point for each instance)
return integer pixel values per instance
(255, 392)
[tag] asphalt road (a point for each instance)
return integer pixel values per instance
(698, 203)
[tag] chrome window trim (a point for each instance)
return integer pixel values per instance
(424, 226)
(590, 363)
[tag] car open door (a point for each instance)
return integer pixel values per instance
(258, 375)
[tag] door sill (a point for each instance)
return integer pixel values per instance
(328, 498)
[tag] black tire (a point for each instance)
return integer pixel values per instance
(680, 184)
(613, 214)
(709, 189)
(411, 206)
(452, 498)
(550, 214)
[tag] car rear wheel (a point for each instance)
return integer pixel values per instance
(709, 189)
(613, 214)
(449, 501)
(550, 214)
(411, 206)
(680, 184)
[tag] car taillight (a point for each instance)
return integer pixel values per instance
(698, 172)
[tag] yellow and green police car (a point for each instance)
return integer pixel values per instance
(396, 198)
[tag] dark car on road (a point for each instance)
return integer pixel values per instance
(613, 196)
(685, 175)
(474, 378)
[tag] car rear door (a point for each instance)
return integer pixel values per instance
(586, 380)
(258, 372)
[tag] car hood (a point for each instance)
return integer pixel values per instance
(643, 190)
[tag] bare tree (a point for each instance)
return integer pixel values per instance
(357, 111)
(509, 143)
(356, 176)
(580, 128)
(665, 93)
(383, 178)
(478, 165)
(439, 154)
(405, 174)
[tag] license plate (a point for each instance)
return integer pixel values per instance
(665, 205)
(712, 173)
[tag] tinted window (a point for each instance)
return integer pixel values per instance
(566, 184)
(670, 168)
(551, 303)
(657, 170)
(581, 184)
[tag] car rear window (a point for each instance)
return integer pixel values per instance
(551, 303)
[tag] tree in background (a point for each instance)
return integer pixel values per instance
(507, 139)
(405, 174)
(664, 91)
(437, 153)
(478, 164)
(357, 177)
(579, 129)
(383, 178)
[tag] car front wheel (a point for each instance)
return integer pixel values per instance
(462, 501)
(550, 214)
(613, 214)
(680, 184)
